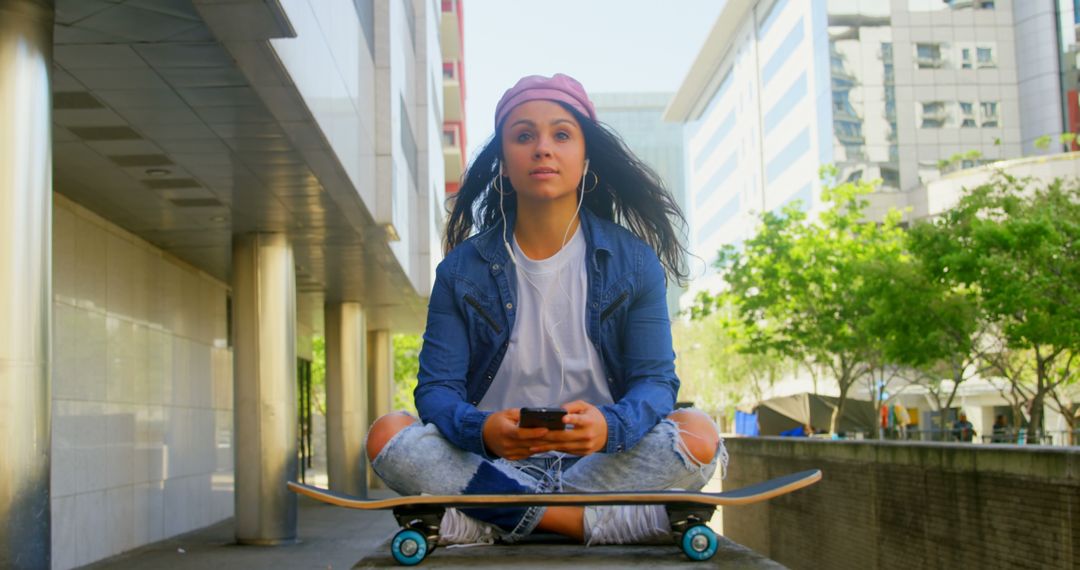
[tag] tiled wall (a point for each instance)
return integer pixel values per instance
(142, 392)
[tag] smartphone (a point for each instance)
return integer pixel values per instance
(550, 418)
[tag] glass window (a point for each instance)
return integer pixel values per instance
(961, 4)
(967, 114)
(989, 111)
(965, 58)
(986, 57)
(928, 56)
(934, 115)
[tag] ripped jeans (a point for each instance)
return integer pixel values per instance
(418, 460)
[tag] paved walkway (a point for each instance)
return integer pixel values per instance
(330, 538)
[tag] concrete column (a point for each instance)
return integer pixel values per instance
(25, 280)
(264, 385)
(380, 384)
(346, 397)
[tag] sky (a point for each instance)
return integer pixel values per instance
(607, 45)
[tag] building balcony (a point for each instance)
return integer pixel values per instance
(450, 30)
(453, 151)
(929, 62)
(453, 96)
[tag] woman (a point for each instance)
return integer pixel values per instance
(551, 303)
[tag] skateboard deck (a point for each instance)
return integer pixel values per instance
(688, 511)
(743, 496)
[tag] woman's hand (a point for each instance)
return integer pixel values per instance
(504, 438)
(589, 435)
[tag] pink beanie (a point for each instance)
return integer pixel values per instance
(559, 87)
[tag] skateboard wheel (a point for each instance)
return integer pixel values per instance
(699, 542)
(409, 547)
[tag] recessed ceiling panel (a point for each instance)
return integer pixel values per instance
(75, 100)
(104, 133)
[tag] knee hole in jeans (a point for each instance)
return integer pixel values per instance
(698, 433)
(384, 429)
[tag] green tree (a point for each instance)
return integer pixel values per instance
(930, 327)
(406, 367)
(800, 286)
(1014, 243)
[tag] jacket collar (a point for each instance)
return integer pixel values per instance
(599, 236)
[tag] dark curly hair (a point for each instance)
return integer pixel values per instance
(628, 193)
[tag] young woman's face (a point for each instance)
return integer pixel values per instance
(543, 151)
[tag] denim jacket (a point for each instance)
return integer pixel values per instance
(471, 313)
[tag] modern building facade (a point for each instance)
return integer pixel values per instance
(896, 90)
(1068, 34)
(190, 190)
(638, 119)
(453, 67)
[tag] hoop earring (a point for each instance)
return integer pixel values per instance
(497, 185)
(596, 182)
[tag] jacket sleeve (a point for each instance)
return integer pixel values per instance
(440, 394)
(648, 361)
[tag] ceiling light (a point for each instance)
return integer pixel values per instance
(157, 172)
(219, 219)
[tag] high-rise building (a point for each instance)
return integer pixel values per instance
(896, 90)
(453, 68)
(638, 119)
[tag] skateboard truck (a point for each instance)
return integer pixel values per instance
(689, 528)
(419, 534)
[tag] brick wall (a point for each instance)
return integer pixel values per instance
(910, 505)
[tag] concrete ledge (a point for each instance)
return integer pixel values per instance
(1046, 463)
(890, 504)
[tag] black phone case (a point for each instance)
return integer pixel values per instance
(550, 418)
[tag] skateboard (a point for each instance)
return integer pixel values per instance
(688, 511)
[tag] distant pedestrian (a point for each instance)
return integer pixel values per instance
(963, 430)
(1001, 429)
(903, 419)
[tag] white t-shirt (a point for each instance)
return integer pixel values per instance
(546, 334)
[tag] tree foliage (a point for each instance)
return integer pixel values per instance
(801, 287)
(990, 288)
(1013, 242)
(406, 367)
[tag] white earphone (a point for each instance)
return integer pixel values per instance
(558, 275)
